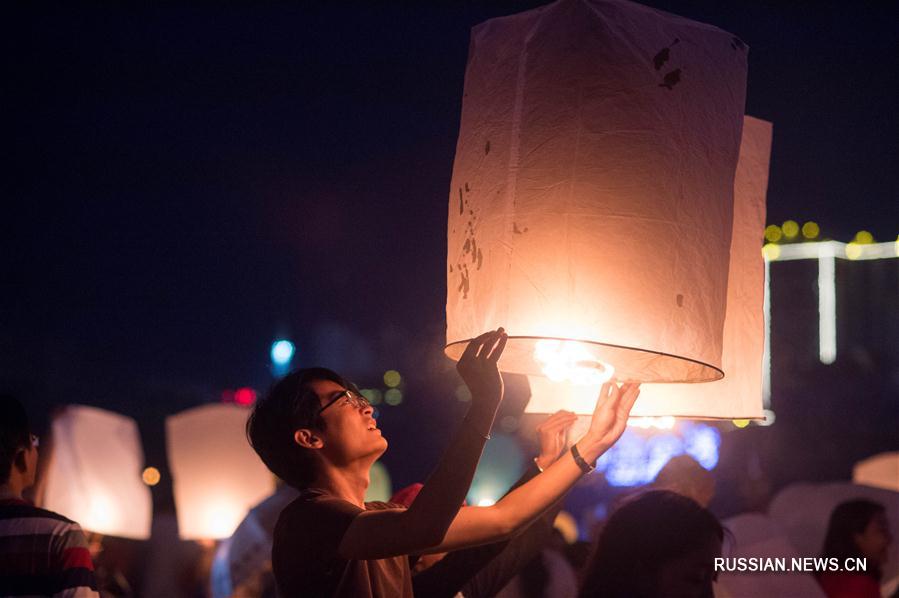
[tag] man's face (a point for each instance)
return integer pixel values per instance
(31, 463)
(24, 465)
(351, 432)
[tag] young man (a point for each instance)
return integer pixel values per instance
(317, 433)
(41, 553)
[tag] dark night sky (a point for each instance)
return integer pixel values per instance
(185, 184)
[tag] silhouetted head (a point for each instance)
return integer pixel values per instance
(658, 543)
(858, 529)
(683, 474)
(18, 446)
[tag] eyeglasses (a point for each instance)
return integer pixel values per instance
(352, 398)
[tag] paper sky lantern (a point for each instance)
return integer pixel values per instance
(739, 394)
(880, 471)
(591, 201)
(216, 475)
(93, 475)
(247, 554)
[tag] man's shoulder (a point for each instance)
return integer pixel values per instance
(22, 510)
(313, 506)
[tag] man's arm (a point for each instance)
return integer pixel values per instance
(381, 534)
(479, 525)
(487, 568)
(74, 569)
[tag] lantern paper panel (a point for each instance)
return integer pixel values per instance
(216, 475)
(93, 475)
(739, 393)
(592, 191)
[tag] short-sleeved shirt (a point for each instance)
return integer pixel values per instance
(43, 553)
(305, 559)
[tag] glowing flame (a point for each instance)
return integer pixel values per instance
(571, 361)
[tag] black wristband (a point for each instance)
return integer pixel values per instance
(585, 467)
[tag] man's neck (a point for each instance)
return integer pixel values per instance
(10, 491)
(349, 482)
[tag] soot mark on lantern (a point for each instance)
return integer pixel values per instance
(664, 54)
(487, 147)
(474, 251)
(467, 188)
(461, 202)
(671, 79)
(517, 230)
(480, 259)
(463, 282)
(467, 246)
(680, 300)
(451, 268)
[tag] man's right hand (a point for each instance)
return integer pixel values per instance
(613, 406)
(478, 368)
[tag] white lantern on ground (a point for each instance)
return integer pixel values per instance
(93, 474)
(216, 475)
(592, 192)
(739, 394)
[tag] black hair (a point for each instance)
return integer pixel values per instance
(289, 405)
(850, 518)
(643, 534)
(15, 433)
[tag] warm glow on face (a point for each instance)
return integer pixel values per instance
(571, 361)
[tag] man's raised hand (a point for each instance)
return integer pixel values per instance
(478, 368)
(553, 433)
(613, 406)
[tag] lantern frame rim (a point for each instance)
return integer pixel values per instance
(719, 371)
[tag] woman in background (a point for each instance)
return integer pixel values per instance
(857, 529)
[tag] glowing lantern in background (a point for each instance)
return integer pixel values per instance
(380, 487)
(739, 394)
(879, 471)
(93, 474)
(216, 475)
(591, 201)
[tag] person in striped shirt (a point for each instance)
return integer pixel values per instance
(42, 553)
